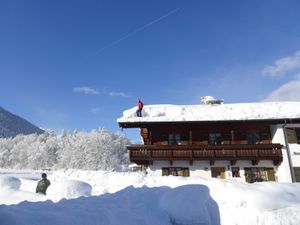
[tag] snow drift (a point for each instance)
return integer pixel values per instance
(10, 182)
(69, 189)
(124, 198)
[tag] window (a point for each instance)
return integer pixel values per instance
(218, 172)
(205, 139)
(226, 139)
(250, 138)
(215, 138)
(164, 137)
(174, 139)
(235, 171)
(256, 138)
(178, 139)
(298, 135)
(176, 171)
(164, 140)
(185, 137)
(264, 138)
(297, 173)
(258, 174)
(244, 138)
(293, 135)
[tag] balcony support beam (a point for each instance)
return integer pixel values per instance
(276, 162)
(233, 162)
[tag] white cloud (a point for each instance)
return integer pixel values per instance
(118, 94)
(86, 90)
(92, 91)
(287, 92)
(283, 65)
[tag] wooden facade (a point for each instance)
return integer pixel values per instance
(211, 141)
(146, 154)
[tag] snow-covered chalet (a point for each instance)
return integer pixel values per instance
(246, 141)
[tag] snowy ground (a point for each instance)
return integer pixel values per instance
(127, 198)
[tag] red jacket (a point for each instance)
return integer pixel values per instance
(140, 104)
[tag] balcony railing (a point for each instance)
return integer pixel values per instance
(146, 154)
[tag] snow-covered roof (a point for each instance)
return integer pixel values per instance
(223, 112)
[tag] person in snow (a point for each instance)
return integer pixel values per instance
(140, 108)
(43, 184)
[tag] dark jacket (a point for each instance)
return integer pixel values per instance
(42, 186)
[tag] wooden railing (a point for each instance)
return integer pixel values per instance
(144, 154)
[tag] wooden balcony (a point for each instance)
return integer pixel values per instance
(146, 154)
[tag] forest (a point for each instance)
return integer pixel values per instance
(94, 150)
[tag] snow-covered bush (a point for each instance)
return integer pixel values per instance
(98, 149)
(10, 182)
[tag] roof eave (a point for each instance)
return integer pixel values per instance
(138, 124)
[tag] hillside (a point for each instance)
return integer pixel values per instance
(11, 125)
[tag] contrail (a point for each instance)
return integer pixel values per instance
(137, 30)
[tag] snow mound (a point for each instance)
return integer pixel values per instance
(196, 205)
(68, 189)
(9, 182)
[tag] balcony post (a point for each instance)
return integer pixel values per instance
(232, 136)
(150, 137)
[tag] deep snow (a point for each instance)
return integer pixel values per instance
(127, 198)
(223, 112)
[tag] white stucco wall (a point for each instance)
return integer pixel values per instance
(283, 172)
(203, 168)
(295, 153)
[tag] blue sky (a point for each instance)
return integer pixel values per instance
(80, 64)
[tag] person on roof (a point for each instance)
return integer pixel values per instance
(43, 184)
(140, 108)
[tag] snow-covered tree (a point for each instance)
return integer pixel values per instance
(98, 149)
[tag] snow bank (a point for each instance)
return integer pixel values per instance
(129, 206)
(10, 182)
(191, 204)
(227, 112)
(136, 198)
(68, 189)
(10, 192)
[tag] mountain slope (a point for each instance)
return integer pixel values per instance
(12, 125)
